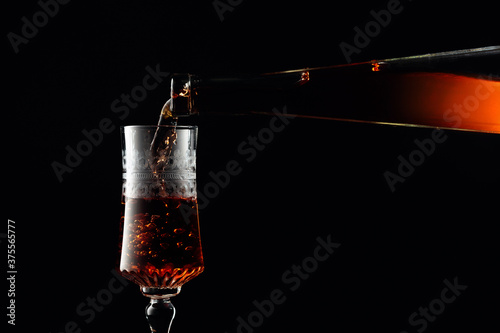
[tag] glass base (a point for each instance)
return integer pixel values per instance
(160, 293)
(160, 314)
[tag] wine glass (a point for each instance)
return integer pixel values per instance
(160, 246)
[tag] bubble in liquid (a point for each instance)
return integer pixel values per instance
(145, 244)
(150, 226)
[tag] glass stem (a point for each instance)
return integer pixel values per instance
(160, 314)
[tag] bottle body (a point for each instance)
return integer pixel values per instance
(459, 90)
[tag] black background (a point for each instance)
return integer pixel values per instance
(316, 178)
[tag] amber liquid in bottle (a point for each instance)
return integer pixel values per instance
(433, 99)
(457, 90)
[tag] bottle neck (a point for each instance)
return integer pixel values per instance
(237, 94)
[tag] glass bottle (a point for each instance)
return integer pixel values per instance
(457, 90)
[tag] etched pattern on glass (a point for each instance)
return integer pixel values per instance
(163, 169)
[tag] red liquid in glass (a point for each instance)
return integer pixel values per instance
(161, 242)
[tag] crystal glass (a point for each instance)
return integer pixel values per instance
(160, 248)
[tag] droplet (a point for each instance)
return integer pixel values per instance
(188, 248)
(304, 77)
(179, 230)
(378, 66)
